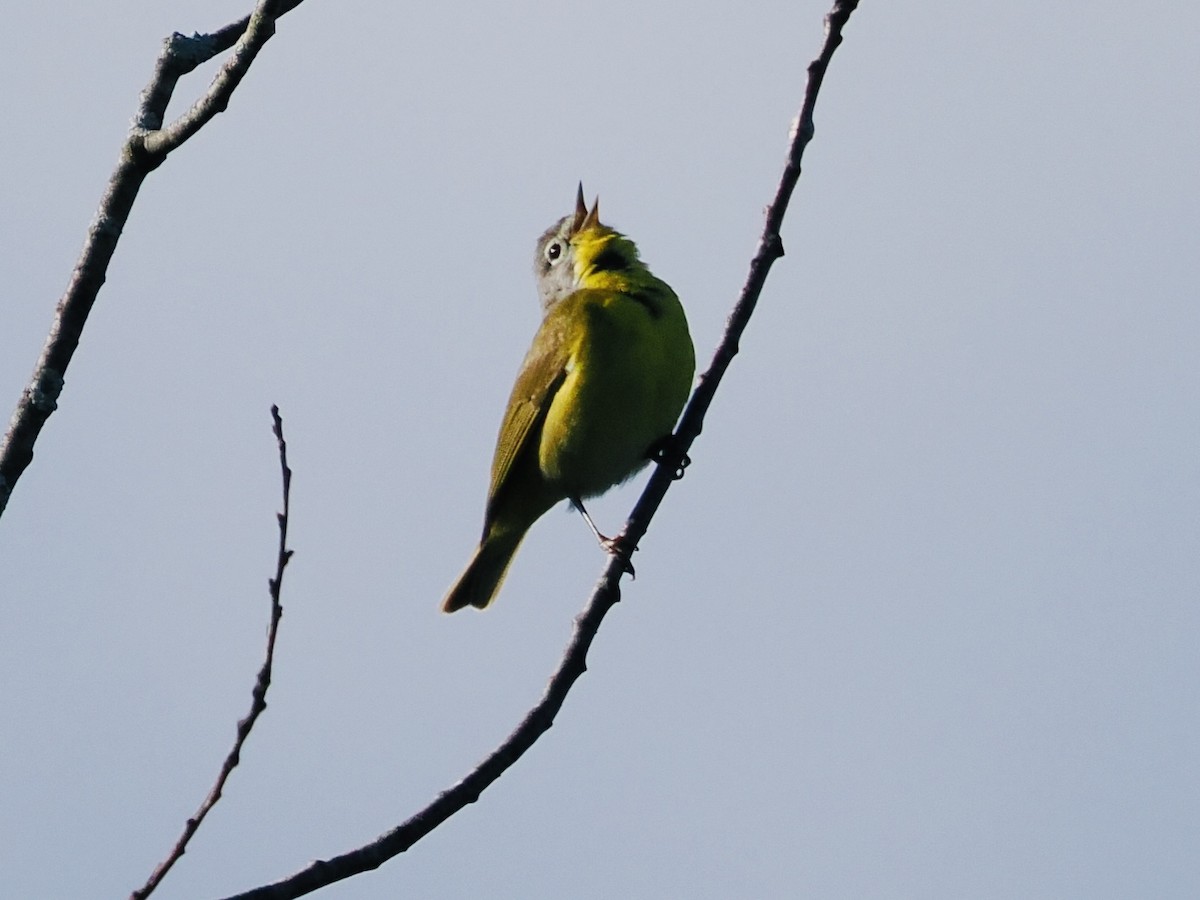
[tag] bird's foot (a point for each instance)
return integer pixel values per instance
(618, 546)
(666, 451)
(623, 549)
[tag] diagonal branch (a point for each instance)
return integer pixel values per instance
(770, 248)
(144, 150)
(258, 702)
(607, 591)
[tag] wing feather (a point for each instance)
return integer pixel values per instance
(542, 374)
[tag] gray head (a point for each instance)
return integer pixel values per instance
(553, 265)
(554, 262)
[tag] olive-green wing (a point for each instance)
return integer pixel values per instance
(542, 374)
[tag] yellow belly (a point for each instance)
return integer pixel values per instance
(628, 376)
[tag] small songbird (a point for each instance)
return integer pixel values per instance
(602, 385)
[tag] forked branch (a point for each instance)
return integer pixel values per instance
(144, 150)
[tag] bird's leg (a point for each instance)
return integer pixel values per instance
(665, 451)
(617, 546)
(578, 504)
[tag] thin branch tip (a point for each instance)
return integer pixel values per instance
(258, 694)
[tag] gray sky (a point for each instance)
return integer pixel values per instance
(921, 620)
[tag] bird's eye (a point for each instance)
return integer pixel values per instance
(554, 251)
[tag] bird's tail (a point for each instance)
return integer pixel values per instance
(484, 574)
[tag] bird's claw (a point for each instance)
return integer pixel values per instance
(619, 547)
(665, 450)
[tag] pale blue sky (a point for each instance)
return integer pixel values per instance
(922, 619)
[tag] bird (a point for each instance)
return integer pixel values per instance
(600, 389)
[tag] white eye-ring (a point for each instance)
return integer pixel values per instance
(553, 251)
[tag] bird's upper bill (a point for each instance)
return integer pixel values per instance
(584, 218)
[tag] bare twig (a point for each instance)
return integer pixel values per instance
(144, 150)
(258, 703)
(607, 591)
(770, 248)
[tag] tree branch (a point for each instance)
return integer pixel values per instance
(770, 248)
(258, 703)
(144, 150)
(607, 591)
